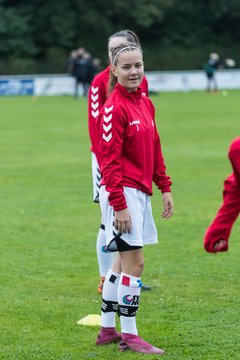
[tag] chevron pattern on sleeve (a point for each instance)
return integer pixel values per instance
(94, 101)
(107, 123)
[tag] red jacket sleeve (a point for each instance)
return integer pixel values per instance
(96, 100)
(112, 137)
(234, 157)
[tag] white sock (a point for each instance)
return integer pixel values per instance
(109, 297)
(105, 258)
(129, 289)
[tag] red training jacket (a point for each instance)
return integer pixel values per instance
(234, 157)
(97, 95)
(130, 148)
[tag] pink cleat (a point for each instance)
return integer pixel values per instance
(136, 344)
(108, 336)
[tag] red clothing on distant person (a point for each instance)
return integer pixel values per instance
(227, 214)
(97, 95)
(130, 147)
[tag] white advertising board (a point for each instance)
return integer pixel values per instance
(159, 81)
(53, 85)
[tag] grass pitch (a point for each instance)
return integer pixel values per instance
(48, 266)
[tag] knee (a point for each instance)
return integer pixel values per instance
(132, 262)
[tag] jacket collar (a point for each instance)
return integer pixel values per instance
(136, 95)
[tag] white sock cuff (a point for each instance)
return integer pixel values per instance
(113, 277)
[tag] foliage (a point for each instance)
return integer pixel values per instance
(29, 28)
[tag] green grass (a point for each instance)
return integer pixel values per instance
(48, 266)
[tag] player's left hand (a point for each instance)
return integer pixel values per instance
(122, 221)
(168, 205)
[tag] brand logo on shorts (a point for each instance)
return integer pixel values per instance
(104, 249)
(131, 300)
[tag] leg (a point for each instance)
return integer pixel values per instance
(76, 88)
(86, 86)
(129, 289)
(132, 262)
(131, 265)
(208, 82)
(109, 307)
(105, 258)
(215, 87)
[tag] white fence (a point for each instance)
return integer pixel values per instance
(159, 81)
(191, 80)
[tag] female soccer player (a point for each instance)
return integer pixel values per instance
(98, 94)
(131, 158)
(217, 234)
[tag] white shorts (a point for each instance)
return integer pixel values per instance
(143, 227)
(96, 176)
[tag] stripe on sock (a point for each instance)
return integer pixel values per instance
(125, 280)
(112, 278)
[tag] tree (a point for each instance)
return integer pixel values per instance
(39, 34)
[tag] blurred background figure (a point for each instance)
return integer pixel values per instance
(79, 71)
(92, 68)
(210, 68)
(83, 67)
(217, 234)
(97, 66)
(70, 60)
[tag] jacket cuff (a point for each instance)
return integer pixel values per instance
(120, 207)
(165, 189)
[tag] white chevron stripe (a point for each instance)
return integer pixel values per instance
(107, 138)
(107, 110)
(95, 113)
(94, 97)
(107, 118)
(94, 105)
(94, 89)
(107, 128)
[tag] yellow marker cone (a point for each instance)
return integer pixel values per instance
(90, 320)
